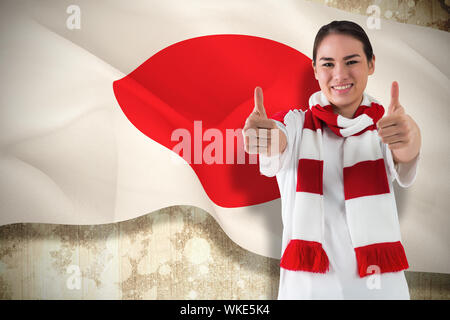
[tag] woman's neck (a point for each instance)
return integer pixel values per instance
(348, 111)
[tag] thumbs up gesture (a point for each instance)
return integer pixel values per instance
(398, 130)
(261, 135)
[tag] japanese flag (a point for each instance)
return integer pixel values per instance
(92, 96)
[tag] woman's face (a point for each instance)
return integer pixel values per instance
(342, 71)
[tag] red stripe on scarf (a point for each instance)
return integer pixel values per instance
(375, 111)
(311, 122)
(310, 176)
(327, 115)
(365, 178)
(383, 257)
(301, 255)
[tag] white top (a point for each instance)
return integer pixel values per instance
(342, 280)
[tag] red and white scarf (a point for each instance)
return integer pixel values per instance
(369, 203)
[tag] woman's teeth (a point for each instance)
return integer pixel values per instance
(342, 87)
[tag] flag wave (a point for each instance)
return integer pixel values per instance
(71, 153)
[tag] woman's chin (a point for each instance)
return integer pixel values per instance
(340, 101)
(343, 100)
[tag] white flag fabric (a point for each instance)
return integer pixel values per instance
(69, 155)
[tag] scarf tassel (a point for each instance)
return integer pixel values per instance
(381, 258)
(301, 255)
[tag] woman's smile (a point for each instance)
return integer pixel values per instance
(342, 88)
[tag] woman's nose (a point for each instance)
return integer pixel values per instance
(340, 72)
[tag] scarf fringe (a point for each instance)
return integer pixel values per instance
(388, 257)
(301, 255)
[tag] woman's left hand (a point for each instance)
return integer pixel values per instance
(399, 131)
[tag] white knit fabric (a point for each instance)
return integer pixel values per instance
(342, 280)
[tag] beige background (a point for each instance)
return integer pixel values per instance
(175, 253)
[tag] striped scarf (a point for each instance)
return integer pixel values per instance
(370, 206)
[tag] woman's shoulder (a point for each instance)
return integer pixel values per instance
(288, 115)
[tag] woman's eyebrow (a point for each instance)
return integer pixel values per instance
(345, 58)
(351, 56)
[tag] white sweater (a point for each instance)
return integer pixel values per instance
(342, 281)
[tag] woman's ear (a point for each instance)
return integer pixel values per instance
(372, 65)
(314, 68)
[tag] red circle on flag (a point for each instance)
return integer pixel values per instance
(210, 80)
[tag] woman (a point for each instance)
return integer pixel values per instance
(335, 163)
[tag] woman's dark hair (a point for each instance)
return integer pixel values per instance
(344, 27)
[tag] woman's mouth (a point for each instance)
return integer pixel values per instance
(342, 89)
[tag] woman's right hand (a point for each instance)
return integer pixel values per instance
(262, 135)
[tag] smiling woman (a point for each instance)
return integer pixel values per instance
(342, 61)
(334, 168)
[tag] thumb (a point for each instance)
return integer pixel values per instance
(395, 103)
(259, 106)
